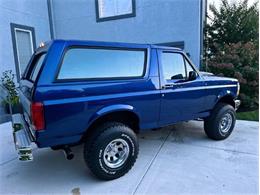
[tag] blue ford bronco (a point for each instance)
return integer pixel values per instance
(102, 94)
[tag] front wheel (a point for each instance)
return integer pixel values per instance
(220, 124)
(112, 152)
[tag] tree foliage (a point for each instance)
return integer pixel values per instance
(231, 47)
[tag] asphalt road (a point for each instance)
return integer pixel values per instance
(175, 160)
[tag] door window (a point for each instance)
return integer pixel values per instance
(173, 66)
(188, 67)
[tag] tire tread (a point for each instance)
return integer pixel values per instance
(90, 148)
(211, 125)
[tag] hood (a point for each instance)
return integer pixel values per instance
(206, 73)
(218, 79)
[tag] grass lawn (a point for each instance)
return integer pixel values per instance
(250, 116)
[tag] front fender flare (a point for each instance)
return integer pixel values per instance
(225, 93)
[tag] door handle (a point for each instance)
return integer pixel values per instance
(167, 86)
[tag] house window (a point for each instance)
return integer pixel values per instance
(23, 38)
(114, 9)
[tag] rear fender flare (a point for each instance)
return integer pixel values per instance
(110, 109)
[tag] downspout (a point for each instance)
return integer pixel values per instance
(50, 15)
(203, 10)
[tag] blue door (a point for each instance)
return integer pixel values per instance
(181, 98)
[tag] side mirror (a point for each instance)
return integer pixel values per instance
(177, 76)
(192, 75)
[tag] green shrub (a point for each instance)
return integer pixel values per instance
(7, 80)
(231, 46)
(239, 61)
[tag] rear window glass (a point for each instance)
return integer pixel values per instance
(89, 63)
(36, 67)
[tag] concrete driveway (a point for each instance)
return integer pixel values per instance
(175, 160)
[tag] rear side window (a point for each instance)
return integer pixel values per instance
(90, 63)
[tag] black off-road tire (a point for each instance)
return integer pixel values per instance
(95, 147)
(212, 123)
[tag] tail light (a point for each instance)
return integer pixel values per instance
(37, 114)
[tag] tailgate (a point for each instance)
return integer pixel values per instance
(28, 84)
(25, 94)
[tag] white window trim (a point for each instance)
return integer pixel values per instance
(31, 40)
(115, 17)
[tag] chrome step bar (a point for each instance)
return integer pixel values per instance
(22, 139)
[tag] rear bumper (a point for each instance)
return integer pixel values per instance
(237, 104)
(22, 138)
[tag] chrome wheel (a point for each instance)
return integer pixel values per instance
(225, 123)
(116, 153)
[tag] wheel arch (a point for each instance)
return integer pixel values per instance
(227, 98)
(115, 113)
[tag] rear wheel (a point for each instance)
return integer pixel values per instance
(220, 124)
(112, 152)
